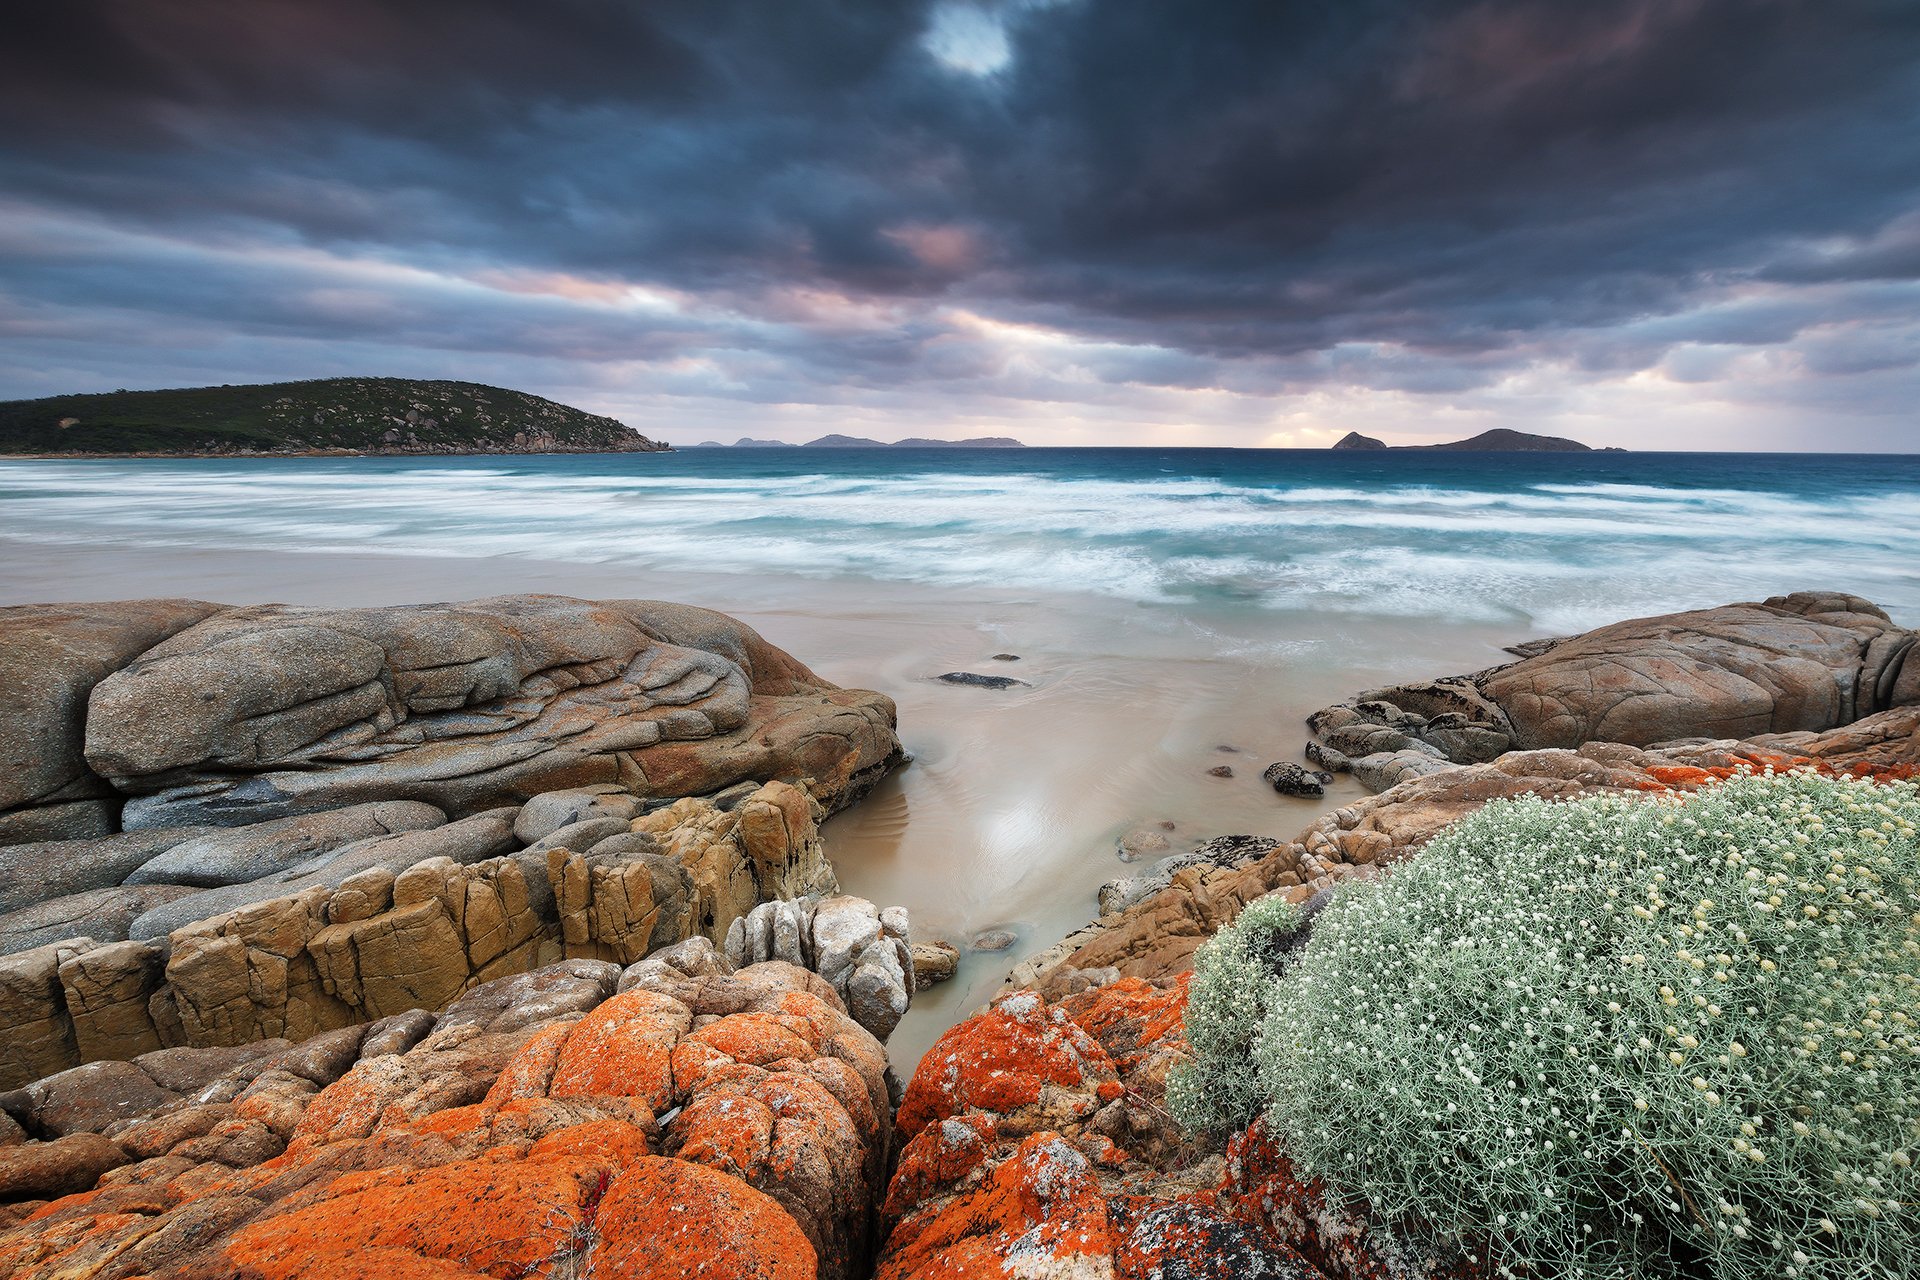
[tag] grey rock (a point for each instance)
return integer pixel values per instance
(272, 711)
(524, 999)
(1329, 758)
(628, 844)
(470, 840)
(580, 836)
(101, 914)
(878, 991)
(242, 854)
(51, 658)
(994, 940)
(546, 813)
(1290, 779)
(982, 682)
(843, 927)
(31, 873)
(1390, 768)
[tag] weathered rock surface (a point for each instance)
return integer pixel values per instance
(1038, 1145)
(51, 657)
(37, 872)
(1807, 662)
(101, 914)
(214, 716)
(241, 854)
(732, 1126)
(861, 951)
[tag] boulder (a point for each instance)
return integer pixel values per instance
(241, 855)
(51, 657)
(857, 949)
(31, 873)
(1290, 779)
(933, 962)
(1803, 663)
(101, 914)
(546, 813)
(43, 1170)
(272, 711)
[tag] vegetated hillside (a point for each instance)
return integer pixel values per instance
(352, 415)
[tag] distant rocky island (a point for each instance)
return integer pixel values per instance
(331, 415)
(1499, 440)
(862, 442)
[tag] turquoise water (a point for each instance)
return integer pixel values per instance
(1539, 541)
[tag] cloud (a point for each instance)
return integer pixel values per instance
(1226, 223)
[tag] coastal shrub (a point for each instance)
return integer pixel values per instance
(1664, 1037)
(1233, 974)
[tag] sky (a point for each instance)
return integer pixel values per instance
(1645, 223)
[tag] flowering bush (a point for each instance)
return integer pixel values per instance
(1226, 1004)
(1671, 1036)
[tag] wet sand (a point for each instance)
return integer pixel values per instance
(1010, 815)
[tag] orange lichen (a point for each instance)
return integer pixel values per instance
(666, 1218)
(1042, 1203)
(1001, 1060)
(621, 1049)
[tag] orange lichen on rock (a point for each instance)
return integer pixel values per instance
(1005, 1059)
(532, 1151)
(1262, 1188)
(1042, 1203)
(665, 1219)
(621, 1049)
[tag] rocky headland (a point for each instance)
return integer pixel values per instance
(402, 416)
(610, 1018)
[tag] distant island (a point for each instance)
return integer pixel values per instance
(862, 442)
(331, 415)
(1498, 440)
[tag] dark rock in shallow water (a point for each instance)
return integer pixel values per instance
(982, 682)
(1221, 771)
(1006, 657)
(1291, 780)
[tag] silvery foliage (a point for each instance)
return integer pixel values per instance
(1620, 1036)
(1227, 997)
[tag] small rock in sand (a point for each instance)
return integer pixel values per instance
(1221, 771)
(980, 681)
(1141, 840)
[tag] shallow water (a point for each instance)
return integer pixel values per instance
(1164, 604)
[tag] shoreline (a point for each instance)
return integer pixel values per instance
(1011, 813)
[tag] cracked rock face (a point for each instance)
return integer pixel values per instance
(1806, 662)
(732, 1125)
(215, 716)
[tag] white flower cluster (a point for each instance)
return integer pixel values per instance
(1220, 1088)
(1668, 1036)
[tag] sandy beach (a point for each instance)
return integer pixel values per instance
(1010, 815)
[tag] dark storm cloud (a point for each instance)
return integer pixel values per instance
(1260, 196)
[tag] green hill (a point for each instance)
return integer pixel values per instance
(350, 415)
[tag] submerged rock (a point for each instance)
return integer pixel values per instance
(981, 682)
(1291, 780)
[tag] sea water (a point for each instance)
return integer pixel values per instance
(1171, 610)
(1542, 541)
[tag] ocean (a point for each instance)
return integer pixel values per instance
(1543, 541)
(1172, 609)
